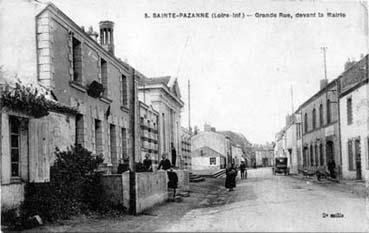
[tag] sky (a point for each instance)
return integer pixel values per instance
(241, 71)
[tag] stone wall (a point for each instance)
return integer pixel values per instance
(11, 196)
(116, 188)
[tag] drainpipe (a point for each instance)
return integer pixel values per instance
(339, 127)
(132, 161)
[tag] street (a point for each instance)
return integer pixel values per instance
(278, 203)
(263, 202)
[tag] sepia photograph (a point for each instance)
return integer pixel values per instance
(184, 116)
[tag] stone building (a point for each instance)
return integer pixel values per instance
(149, 133)
(354, 115)
(264, 154)
(164, 95)
(237, 155)
(320, 127)
(206, 161)
(293, 145)
(73, 68)
(215, 142)
(186, 148)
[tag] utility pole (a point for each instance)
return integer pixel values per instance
(324, 49)
(189, 106)
(292, 99)
(132, 161)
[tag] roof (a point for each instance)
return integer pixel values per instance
(206, 147)
(156, 80)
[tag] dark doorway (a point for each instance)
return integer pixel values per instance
(330, 151)
(358, 159)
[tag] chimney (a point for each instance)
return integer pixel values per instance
(92, 33)
(323, 83)
(106, 36)
(349, 63)
(207, 127)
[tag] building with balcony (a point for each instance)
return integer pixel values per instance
(186, 148)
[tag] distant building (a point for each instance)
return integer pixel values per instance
(149, 133)
(186, 148)
(214, 141)
(205, 160)
(264, 154)
(354, 115)
(237, 155)
(164, 95)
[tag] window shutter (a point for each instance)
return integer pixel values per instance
(350, 155)
(70, 54)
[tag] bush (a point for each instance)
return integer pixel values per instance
(74, 187)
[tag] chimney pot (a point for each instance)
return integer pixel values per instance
(107, 35)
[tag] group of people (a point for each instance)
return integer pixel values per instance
(165, 165)
(231, 174)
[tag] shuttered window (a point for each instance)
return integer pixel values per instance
(349, 110)
(14, 145)
(350, 154)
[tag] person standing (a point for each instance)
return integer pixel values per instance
(164, 162)
(331, 166)
(242, 169)
(173, 181)
(231, 174)
(174, 155)
(147, 163)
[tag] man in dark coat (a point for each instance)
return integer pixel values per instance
(242, 169)
(147, 163)
(173, 181)
(331, 166)
(164, 162)
(231, 174)
(174, 155)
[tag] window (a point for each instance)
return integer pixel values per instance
(321, 154)
(306, 122)
(14, 145)
(314, 118)
(77, 60)
(213, 161)
(321, 115)
(104, 76)
(124, 91)
(113, 145)
(202, 153)
(311, 155)
(79, 130)
(328, 111)
(316, 156)
(98, 137)
(349, 110)
(124, 143)
(350, 154)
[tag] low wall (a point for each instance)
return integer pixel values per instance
(11, 196)
(116, 188)
(183, 180)
(151, 188)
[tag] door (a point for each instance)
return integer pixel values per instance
(358, 159)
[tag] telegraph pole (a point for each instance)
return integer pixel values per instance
(132, 161)
(189, 106)
(292, 99)
(324, 49)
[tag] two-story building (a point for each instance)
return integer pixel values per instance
(164, 95)
(320, 128)
(74, 69)
(354, 115)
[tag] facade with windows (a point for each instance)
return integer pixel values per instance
(149, 133)
(264, 154)
(320, 128)
(206, 160)
(354, 115)
(164, 95)
(73, 68)
(186, 148)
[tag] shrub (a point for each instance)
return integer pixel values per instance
(74, 187)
